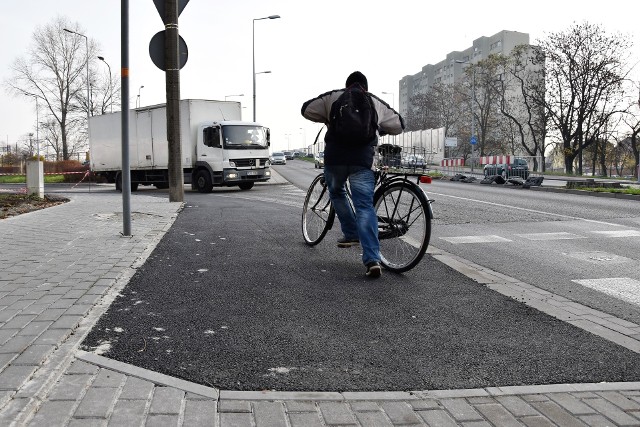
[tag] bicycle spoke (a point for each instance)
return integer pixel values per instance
(404, 226)
(317, 214)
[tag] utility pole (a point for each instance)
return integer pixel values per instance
(176, 176)
(124, 75)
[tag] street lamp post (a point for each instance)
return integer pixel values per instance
(138, 100)
(86, 40)
(101, 58)
(393, 99)
(229, 96)
(37, 121)
(393, 105)
(254, 59)
(254, 91)
(473, 117)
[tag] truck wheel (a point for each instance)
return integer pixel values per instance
(246, 185)
(203, 182)
(134, 185)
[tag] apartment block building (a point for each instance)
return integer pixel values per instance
(451, 68)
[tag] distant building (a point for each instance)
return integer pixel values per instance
(451, 69)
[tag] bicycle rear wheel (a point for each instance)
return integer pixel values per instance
(404, 225)
(317, 212)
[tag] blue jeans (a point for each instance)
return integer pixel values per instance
(362, 225)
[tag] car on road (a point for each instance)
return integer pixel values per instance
(288, 155)
(278, 158)
(319, 160)
(414, 161)
(517, 167)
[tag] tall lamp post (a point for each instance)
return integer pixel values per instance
(37, 122)
(473, 117)
(254, 59)
(101, 58)
(393, 105)
(138, 100)
(86, 40)
(254, 91)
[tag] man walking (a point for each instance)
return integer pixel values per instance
(354, 119)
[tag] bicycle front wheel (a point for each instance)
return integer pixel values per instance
(404, 225)
(317, 213)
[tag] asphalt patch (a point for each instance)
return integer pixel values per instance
(233, 298)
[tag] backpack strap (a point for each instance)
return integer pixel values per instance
(318, 135)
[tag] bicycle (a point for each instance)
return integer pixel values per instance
(404, 218)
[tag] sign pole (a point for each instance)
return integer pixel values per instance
(124, 73)
(176, 176)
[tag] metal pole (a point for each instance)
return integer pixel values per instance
(86, 41)
(124, 73)
(172, 74)
(473, 116)
(101, 58)
(37, 128)
(253, 50)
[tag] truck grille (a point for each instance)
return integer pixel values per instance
(243, 163)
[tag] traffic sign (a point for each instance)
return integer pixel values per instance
(160, 6)
(451, 141)
(157, 51)
(474, 140)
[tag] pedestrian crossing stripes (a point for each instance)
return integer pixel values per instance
(550, 236)
(619, 233)
(623, 288)
(475, 239)
(289, 196)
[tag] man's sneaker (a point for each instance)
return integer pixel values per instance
(373, 269)
(347, 243)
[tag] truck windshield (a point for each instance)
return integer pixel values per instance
(243, 137)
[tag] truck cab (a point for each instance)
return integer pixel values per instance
(231, 153)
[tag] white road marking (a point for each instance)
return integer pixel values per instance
(523, 209)
(550, 236)
(475, 239)
(619, 233)
(623, 288)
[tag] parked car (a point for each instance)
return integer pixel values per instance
(518, 167)
(414, 161)
(390, 155)
(278, 158)
(319, 160)
(288, 155)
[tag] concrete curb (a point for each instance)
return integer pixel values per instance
(587, 193)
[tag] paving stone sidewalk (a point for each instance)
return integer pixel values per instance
(60, 268)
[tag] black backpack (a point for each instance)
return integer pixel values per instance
(353, 119)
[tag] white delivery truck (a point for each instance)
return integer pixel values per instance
(217, 148)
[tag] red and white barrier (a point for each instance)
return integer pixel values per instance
(48, 173)
(451, 162)
(495, 160)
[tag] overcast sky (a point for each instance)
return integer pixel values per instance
(309, 50)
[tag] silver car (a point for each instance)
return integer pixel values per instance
(278, 158)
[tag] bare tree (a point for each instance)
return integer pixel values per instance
(631, 120)
(478, 89)
(522, 94)
(54, 71)
(584, 73)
